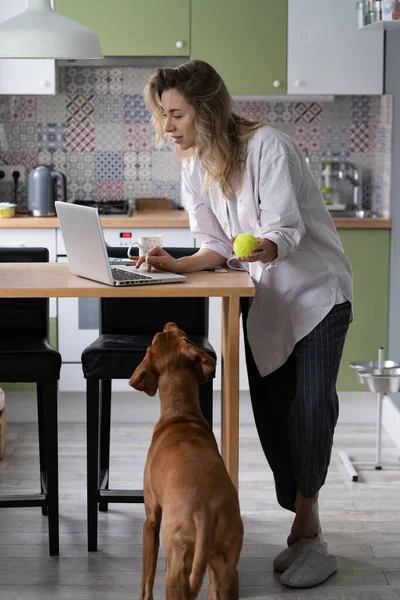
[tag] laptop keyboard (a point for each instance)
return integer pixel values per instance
(121, 275)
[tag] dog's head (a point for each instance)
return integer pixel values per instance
(170, 350)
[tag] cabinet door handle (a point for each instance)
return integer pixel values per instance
(44, 84)
(276, 83)
(298, 83)
(179, 44)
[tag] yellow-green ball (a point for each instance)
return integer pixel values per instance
(244, 244)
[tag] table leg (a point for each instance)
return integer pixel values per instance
(230, 386)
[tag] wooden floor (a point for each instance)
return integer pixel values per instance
(361, 522)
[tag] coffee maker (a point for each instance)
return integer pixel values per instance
(42, 191)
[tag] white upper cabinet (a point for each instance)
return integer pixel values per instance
(326, 53)
(27, 76)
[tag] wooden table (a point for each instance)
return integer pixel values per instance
(54, 280)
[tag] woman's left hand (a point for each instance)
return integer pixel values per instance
(264, 250)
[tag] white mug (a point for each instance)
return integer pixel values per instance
(146, 243)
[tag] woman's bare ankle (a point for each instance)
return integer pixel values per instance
(306, 522)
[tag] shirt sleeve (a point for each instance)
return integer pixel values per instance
(204, 225)
(280, 180)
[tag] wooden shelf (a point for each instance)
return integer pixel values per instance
(379, 25)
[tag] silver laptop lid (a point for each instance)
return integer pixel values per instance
(84, 242)
(87, 251)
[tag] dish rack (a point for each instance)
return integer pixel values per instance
(382, 377)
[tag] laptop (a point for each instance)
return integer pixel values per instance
(87, 252)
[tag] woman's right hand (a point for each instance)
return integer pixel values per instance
(159, 259)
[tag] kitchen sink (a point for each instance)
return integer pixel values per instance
(352, 214)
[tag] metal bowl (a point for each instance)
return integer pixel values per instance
(359, 365)
(381, 381)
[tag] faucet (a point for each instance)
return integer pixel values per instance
(354, 174)
(345, 170)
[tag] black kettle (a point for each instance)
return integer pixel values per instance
(42, 191)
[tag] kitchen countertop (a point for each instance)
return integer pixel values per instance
(355, 223)
(144, 218)
(166, 219)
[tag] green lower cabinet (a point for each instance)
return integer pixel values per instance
(245, 41)
(369, 254)
(31, 387)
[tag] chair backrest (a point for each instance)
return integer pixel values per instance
(24, 316)
(149, 315)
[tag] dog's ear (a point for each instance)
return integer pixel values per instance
(203, 363)
(144, 377)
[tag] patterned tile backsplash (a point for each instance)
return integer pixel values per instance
(97, 131)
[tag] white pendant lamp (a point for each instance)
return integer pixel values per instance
(39, 32)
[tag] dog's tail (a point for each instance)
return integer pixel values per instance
(204, 532)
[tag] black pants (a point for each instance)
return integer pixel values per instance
(296, 407)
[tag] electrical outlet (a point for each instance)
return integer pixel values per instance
(6, 173)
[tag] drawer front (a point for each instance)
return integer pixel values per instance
(36, 238)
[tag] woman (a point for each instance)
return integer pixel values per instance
(243, 176)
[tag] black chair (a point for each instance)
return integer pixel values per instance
(127, 328)
(27, 356)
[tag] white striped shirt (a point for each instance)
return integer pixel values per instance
(279, 200)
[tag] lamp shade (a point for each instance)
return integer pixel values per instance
(39, 32)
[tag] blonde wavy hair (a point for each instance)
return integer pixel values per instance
(221, 134)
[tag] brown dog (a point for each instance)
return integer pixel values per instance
(185, 479)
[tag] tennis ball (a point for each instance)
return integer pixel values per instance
(244, 244)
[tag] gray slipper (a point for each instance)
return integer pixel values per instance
(311, 568)
(285, 558)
